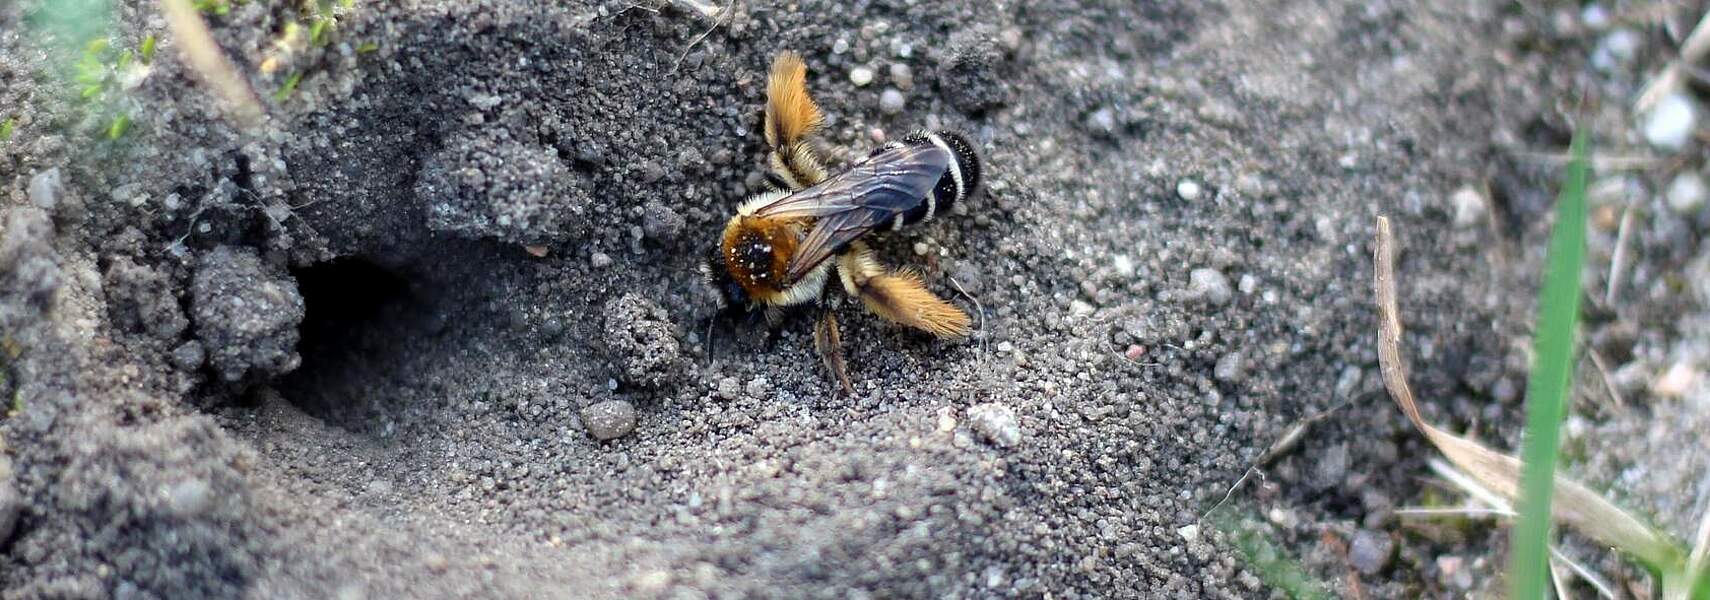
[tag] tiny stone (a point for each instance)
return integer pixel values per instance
(189, 498)
(840, 46)
(921, 249)
(1469, 207)
(1188, 532)
(45, 189)
(1102, 120)
(1188, 189)
(1675, 381)
(609, 420)
(902, 76)
(1124, 266)
(1134, 352)
(1210, 286)
(1332, 467)
(1080, 308)
(189, 356)
(891, 101)
(1230, 368)
(1669, 124)
(1370, 551)
(758, 387)
(1594, 16)
(1248, 283)
(995, 423)
(1250, 185)
(1686, 193)
(729, 388)
(601, 260)
(860, 76)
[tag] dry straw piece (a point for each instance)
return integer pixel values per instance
(1576, 505)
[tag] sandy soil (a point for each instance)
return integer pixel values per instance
(314, 359)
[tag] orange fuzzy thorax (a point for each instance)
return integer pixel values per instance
(757, 253)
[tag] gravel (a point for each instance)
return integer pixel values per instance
(1371, 551)
(1669, 124)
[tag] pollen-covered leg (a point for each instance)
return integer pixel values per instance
(828, 342)
(791, 118)
(900, 296)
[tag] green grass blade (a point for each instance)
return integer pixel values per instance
(1548, 385)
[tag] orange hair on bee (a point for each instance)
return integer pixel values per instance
(791, 114)
(902, 297)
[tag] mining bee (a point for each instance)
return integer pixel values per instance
(782, 247)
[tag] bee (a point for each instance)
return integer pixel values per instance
(783, 248)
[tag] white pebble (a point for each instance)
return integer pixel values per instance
(902, 76)
(921, 249)
(1188, 532)
(1210, 286)
(860, 76)
(1124, 265)
(601, 260)
(1687, 192)
(1676, 381)
(996, 423)
(1188, 189)
(1469, 207)
(1594, 16)
(890, 101)
(1669, 124)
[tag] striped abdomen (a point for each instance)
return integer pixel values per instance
(961, 180)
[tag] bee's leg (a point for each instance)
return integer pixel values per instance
(899, 296)
(828, 342)
(774, 316)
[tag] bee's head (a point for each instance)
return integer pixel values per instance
(728, 293)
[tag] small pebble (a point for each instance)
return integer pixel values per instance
(1188, 189)
(758, 387)
(601, 260)
(921, 249)
(1675, 382)
(1231, 368)
(1469, 207)
(1686, 193)
(1188, 532)
(1102, 121)
(45, 189)
(902, 76)
(1332, 467)
(1370, 551)
(1669, 124)
(1134, 352)
(1080, 308)
(609, 420)
(1594, 16)
(860, 76)
(189, 498)
(890, 101)
(1124, 266)
(1209, 286)
(995, 423)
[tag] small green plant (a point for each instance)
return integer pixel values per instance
(118, 127)
(289, 86)
(367, 47)
(218, 8)
(147, 49)
(1548, 385)
(1273, 565)
(7, 128)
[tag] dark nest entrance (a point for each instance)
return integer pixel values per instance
(358, 318)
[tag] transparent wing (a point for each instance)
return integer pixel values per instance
(894, 180)
(850, 204)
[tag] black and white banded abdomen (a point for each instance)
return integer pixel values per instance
(960, 180)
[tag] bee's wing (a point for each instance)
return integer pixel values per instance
(850, 204)
(894, 180)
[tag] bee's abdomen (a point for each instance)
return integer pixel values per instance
(961, 180)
